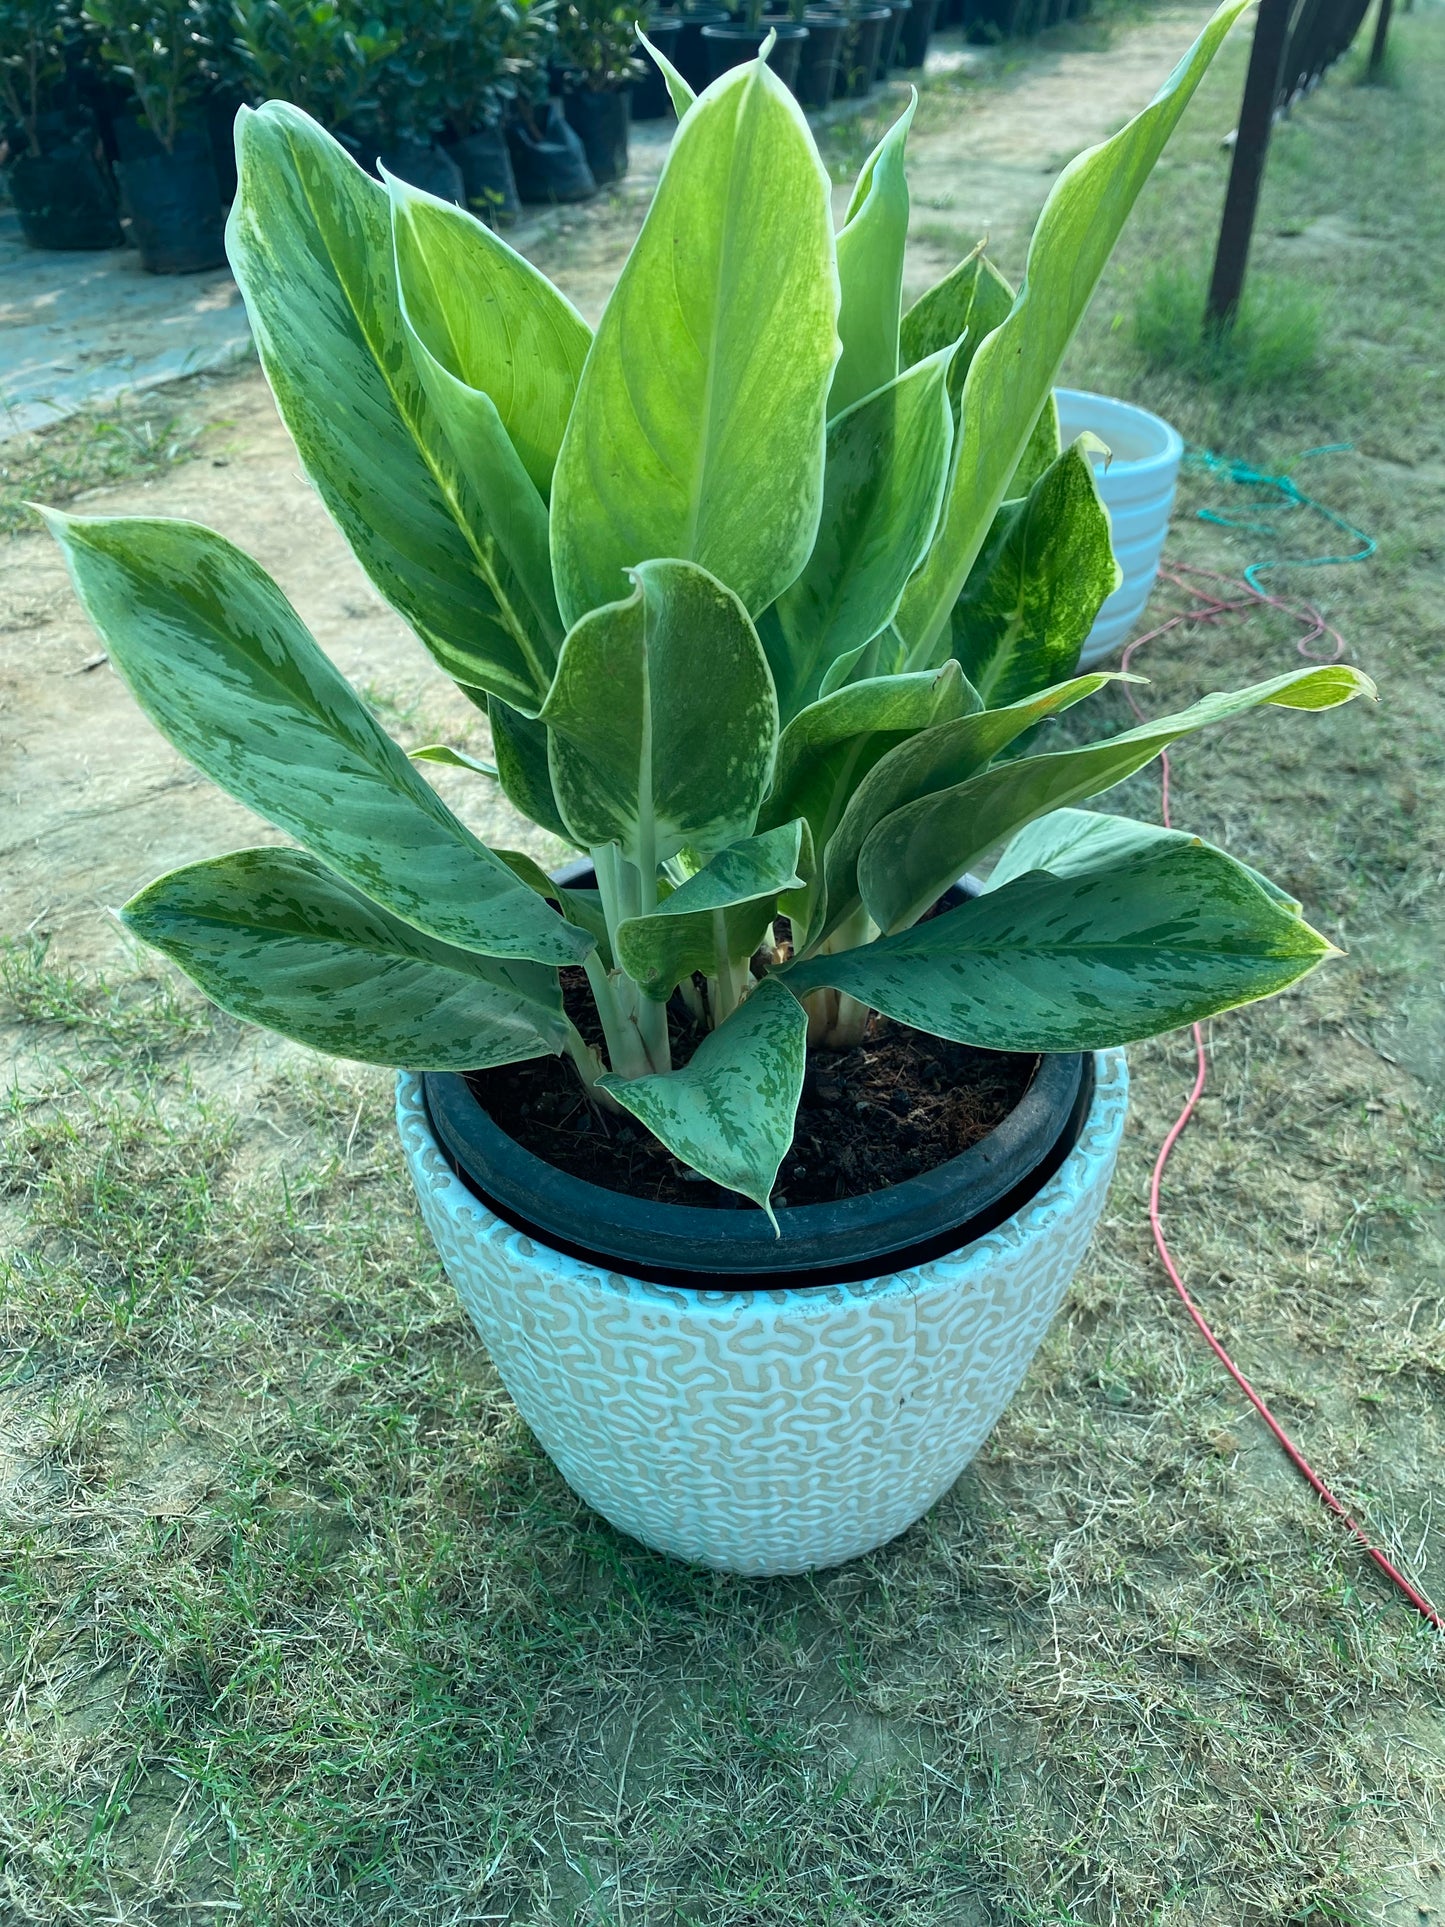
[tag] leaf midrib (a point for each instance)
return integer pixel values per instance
(370, 947)
(443, 488)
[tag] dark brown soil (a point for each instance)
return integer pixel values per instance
(897, 1106)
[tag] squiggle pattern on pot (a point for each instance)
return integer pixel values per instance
(766, 1432)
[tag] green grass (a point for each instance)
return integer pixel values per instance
(298, 1627)
(1271, 346)
(139, 436)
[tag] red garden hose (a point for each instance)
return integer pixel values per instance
(1212, 607)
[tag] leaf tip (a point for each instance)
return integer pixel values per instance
(56, 520)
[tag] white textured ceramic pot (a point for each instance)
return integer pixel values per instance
(1137, 487)
(767, 1431)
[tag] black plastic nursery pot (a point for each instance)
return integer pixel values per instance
(898, 11)
(174, 201)
(650, 98)
(818, 62)
(985, 22)
(601, 118)
(909, 1223)
(65, 199)
(691, 58)
(221, 108)
(862, 43)
(488, 183)
(424, 165)
(732, 42)
(918, 25)
(548, 158)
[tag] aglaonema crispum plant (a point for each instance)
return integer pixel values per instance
(760, 587)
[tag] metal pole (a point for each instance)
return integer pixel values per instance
(1382, 34)
(1251, 144)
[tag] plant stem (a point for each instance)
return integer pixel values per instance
(727, 984)
(837, 1021)
(635, 1026)
(651, 1021)
(589, 1066)
(625, 1052)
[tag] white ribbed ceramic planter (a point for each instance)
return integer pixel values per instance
(1137, 487)
(770, 1431)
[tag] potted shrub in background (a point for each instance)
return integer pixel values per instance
(713, 572)
(548, 157)
(891, 38)
(55, 170)
(165, 165)
(596, 58)
(401, 132)
(497, 56)
(313, 53)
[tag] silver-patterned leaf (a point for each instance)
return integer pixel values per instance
(1011, 378)
(870, 270)
(724, 908)
(225, 669)
(662, 721)
(912, 855)
(887, 469)
(929, 760)
(1039, 581)
(699, 423)
(309, 240)
(1076, 843)
(965, 307)
(275, 937)
(729, 1112)
(1158, 938)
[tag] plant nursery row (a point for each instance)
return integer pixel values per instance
(116, 116)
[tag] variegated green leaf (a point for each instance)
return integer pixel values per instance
(965, 307)
(1164, 936)
(492, 321)
(580, 906)
(926, 761)
(662, 722)
(917, 851)
(275, 937)
(828, 748)
(519, 744)
(699, 423)
(833, 743)
(309, 240)
(870, 270)
(223, 666)
(1039, 582)
(464, 296)
(454, 759)
(729, 1112)
(1077, 843)
(722, 910)
(1012, 375)
(887, 468)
